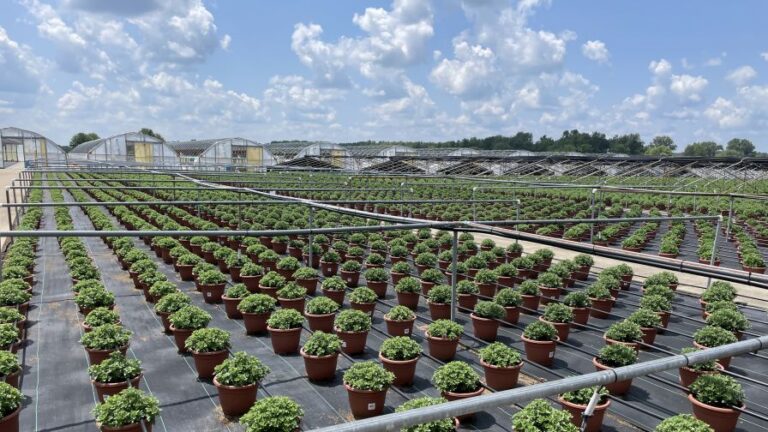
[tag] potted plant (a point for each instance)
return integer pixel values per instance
(18, 298)
(235, 262)
(251, 275)
(648, 321)
(689, 374)
(485, 319)
(682, 423)
(268, 259)
(334, 288)
(321, 353)
(274, 413)
(400, 270)
(307, 278)
(575, 402)
(131, 410)
(711, 337)
(363, 299)
(443, 338)
(601, 299)
(399, 355)
(376, 279)
(729, 319)
(457, 380)
(408, 292)
(466, 294)
(531, 293)
(10, 406)
(425, 260)
(9, 315)
(284, 327)
(400, 321)
(271, 283)
(168, 305)
(90, 298)
(287, 266)
(550, 285)
(510, 300)
(237, 380)
(614, 356)
(579, 303)
(212, 284)
(329, 263)
(99, 317)
(540, 340)
(540, 416)
(486, 281)
(367, 384)
(99, 342)
(114, 374)
(231, 299)
(584, 263)
(717, 400)
(209, 347)
(443, 425)
(352, 326)
(374, 260)
(429, 278)
(502, 366)
(291, 296)
(624, 333)
(320, 313)
(439, 302)
(658, 304)
(186, 320)
(560, 317)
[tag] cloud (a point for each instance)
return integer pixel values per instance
(727, 114)
(688, 87)
(595, 50)
(471, 71)
(18, 67)
(225, 41)
(764, 55)
(295, 98)
(660, 68)
(742, 75)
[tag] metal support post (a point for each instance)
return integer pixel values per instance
(714, 247)
(730, 220)
(592, 225)
(454, 272)
(517, 215)
(474, 209)
(310, 225)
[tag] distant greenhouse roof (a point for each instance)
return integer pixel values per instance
(87, 146)
(198, 147)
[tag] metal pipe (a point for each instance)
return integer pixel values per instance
(713, 258)
(454, 271)
(396, 421)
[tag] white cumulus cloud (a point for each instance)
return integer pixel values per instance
(688, 87)
(741, 76)
(595, 50)
(727, 114)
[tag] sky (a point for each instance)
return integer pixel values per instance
(348, 70)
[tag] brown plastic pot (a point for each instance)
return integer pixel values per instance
(724, 361)
(10, 423)
(563, 329)
(442, 349)
(255, 323)
(380, 288)
(320, 368)
(439, 310)
(309, 284)
(180, 336)
(285, 341)
(467, 301)
(366, 403)
(322, 322)
(487, 289)
(501, 378)
(164, 319)
(617, 388)
(352, 278)
(212, 293)
(205, 362)
(594, 423)
(649, 336)
(541, 352)
(530, 303)
(103, 390)
(608, 341)
(399, 328)
(664, 315)
(185, 272)
(337, 296)
(601, 307)
(251, 283)
(580, 315)
(352, 342)
(368, 308)
(451, 396)
(329, 268)
(688, 375)
(270, 291)
(230, 307)
(404, 370)
(295, 304)
(548, 294)
(719, 419)
(12, 378)
(96, 356)
(236, 401)
(484, 328)
(408, 299)
(512, 315)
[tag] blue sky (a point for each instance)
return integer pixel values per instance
(347, 70)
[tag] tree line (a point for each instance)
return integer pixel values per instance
(83, 137)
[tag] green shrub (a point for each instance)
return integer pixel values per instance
(445, 329)
(624, 331)
(539, 416)
(408, 284)
(90, 298)
(616, 356)
(718, 390)
(273, 414)
(9, 315)
(237, 290)
(273, 280)
(400, 348)
(292, 290)
(489, 309)
(189, 318)
(711, 336)
(500, 355)
(719, 292)
(375, 274)
(584, 395)
(507, 297)
(549, 280)
(655, 303)
(9, 363)
(368, 375)
(706, 366)
(241, 370)
(101, 316)
(305, 273)
(351, 266)
(321, 306)
(285, 319)
(353, 321)
(557, 312)
(211, 277)
(115, 369)
(486, 276)
(661, 290)
(127, 407)
(322, 344)
(400, 313)
(597, 291)
(728, 319)
(257, 304)
(10, 399)
(645, 318)
(443, 425)
(432, 275)
(439, 294)
(251, 269)
(172, 302)
(207, 340)
(456, 377)
(105, 337)
(162, 288)
(540, 331)
(507, 270)
(683, 423)
(334, 283)
(583, 260)
(530, 287)
(87, 283)
(721, 304)
(401, 267)
(466, 287)
(576, 299)
(363, 295)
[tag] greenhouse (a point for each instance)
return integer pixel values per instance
(130, 148)
(21, 145)
(225, 153)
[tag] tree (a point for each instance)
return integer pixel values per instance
(628, 144)
(150, 132)
(661, 145)
(703, 149)
(82, 137)
(740, 147)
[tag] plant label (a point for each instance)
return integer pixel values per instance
(552, 354)
(406, 331)
(371, 406)
(343, 344)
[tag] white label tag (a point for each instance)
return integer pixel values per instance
(551, 354)
(406, 331)
(344, 344)
(208, 294)
(371, 406)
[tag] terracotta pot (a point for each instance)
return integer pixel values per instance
(396, 277)
(442, 349)
(601, 308)
(616, 389)
(548, 295)
(352, 342)
(323, 322)
(724, 361)
(512, 314)
(365, 403)
(541, 352)
(404, 370)
(205, 362)
(530, 303)
(467, 301)
(501, 378)
(399, 328)
(285, 341)
(451, 396)
(309, 284)
(664, 315)
(295, 304)
(719, 419)
(368, 308)
(320, 368)
(649, 336)
(439, 310)
(487, 289)
(408, 299)
(270, 291)
(484, 328)
(180, 336)
(230, 307)
(380, 288)
(103, 390)
(328, 269)
(580, 315)
(164, 319)
(255, 323)
(185, 272)
(337, 296)
(212, 293)
(688, 375)
(236, 401)
(563, 329)
(352, 278)
(234, 272)
(251, 283)
(12, 379)
(97, 356)
(594, 423)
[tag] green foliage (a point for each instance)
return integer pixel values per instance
(273, 414)
(706, 366)
(558, 312)
(400, 313)
(172, 302)
(583, 396)
(285, 319)
(101, 316)
(363, 295)
(211, 277)
(207, 340)
(507, 297)
(94, 297)
(660, 290)
(432, 275)
(401, 267)
(718, 390)
(130, 406)
(445, 329)
(251, 269)
(655, 303)
(456, 377)
(489, 309)
(351, 266)
(539, 416)
(439, 294)
(334, 283)
(408, 284)
(116, 368)
(549, 280)
(10, 399)
(82, 137)
(189, 318)
(400, 348)
(321, 306)
(728, 319)
(305, 273)
(376, 274)
(292, 290)
(645, 318)
(598, 291)
(322, 344)
(721, 291)
(617, 355)
(576, 299)
(466, 287)
(443, 425)
(499, 354)
(353, 321)
(530, 287)
(540, 331)
(273, 280)
(105, 337)
(161, 289)
(368, 375)
(9, 363)
(484, 276)
(683, 423)
(257, 304)
(624, 331)
(711, 336)
(237, 290)
(241, 370)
